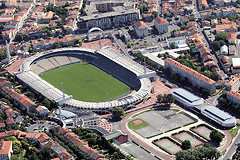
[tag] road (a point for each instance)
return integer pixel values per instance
(22, 21)
(229, 153)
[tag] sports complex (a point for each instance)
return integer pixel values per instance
(96, 80)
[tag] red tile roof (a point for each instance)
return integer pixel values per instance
(234, 93)
(65, 156)
(63, 130)
(2, 125)
(5, 147)
(160, 20)
(140, 24)
(190, 71)
(231, 36)
(10, 121)
(232, 81)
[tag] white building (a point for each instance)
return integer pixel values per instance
(161, 25)
(141, 29)
(224, 50)
(178, 41)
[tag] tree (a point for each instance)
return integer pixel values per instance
(198, 153)
(159, 98)
(117, 112)
(216, 136)
(170, 98)
(186, 145)
(155, 14)
(221, 36)
(216, 45)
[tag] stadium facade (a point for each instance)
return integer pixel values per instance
(197, 104)
(117, 65)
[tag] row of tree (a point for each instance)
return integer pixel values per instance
(99, 143)
(198, 153)
(166, 98)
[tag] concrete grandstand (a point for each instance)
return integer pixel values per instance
(197, 104)
(117, 65)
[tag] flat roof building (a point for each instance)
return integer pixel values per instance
(218, 116)
(197, 104)
(186, 98)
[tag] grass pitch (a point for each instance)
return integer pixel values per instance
(86, 82)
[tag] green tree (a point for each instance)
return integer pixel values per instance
(186, 145)
(155, 14)
(198, 153)
(117, 112)
(216, 45)
(159, 98)
(221, 36)
(170, 98)
(216, 136)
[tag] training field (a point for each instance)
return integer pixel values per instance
(203, 131)
(195, 141)
(86, 82)
(168, 145)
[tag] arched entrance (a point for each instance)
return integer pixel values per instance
(94, 29)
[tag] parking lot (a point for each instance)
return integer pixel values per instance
(41, 126)
(136, 151)
(162, 121)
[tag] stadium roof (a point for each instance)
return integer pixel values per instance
(66, 114)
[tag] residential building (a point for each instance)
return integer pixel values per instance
(232, 38)
(161, 25)
(232, 50)
(178, 41)
(194, 77)
(203, 4)
(48, 43)
(229, 27)
(5, 149)
(45, 17)
(141, 29)
(181, 33)
(82, 146)
(233, 84)
(109, 19)
(2, 125)
(225, 61)
(233, 97)
(42, 110)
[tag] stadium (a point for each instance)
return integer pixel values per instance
(124, 74)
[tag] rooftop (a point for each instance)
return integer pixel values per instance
(140, 24)
(190, 71)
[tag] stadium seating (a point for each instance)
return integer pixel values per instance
(110, 61)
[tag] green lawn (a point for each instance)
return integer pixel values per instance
(139, 126)
(86, 82)
(234, 131)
